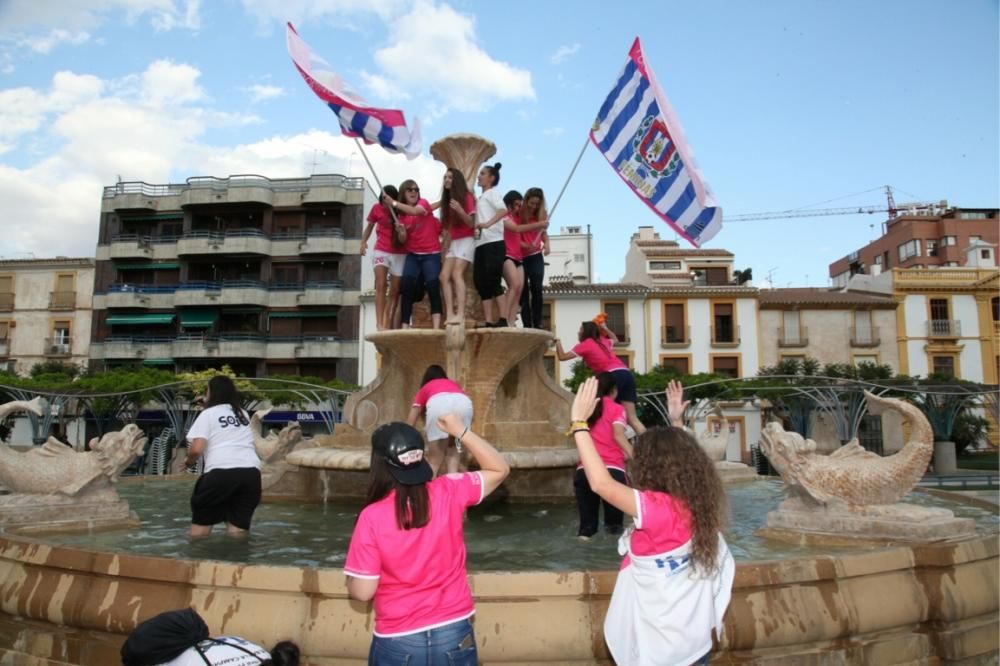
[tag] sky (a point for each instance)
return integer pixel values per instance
(786, 104)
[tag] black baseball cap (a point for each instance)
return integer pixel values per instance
(401, 445)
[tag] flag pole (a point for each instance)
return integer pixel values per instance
(570, 176)
(361, 147)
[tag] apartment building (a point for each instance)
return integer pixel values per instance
(570, 255)
(258, 273)
(921, 239)
(45, 311)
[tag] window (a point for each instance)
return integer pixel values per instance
(885, 259)
(6, 293)
(5, 330)
(878, 260)
(709, 277)
(931, 248)
(679, 364)
(59, 343)
(572, 230)
(864, 333)
(943, 365)
(910, 248)
(727, 366)
(580, 258)
(995, 304)
(285, 274)
(547, 315)
(723, 326)
(939, 309)
(791, 332)
(617, 321)
(951, 264)
(970, 215)
(949, 240)
(675, 329)
(973, 239)
(984, 254)
(626, 359)
(664, 265)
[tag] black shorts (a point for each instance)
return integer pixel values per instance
(625, 383)
(487, 269)
(226, 495)
(517, 262)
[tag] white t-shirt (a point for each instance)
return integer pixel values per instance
(222, 652)
(230, 442)
(487, 206)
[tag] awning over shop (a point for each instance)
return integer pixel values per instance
(199, 318)
(306, 314)
(140, 319)
(159, 361)
(148, 267)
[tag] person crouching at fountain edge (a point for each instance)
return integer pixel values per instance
(229, 490)
(438, 396)
(408, 548)
(423, 251)
(607, 429)
(595, 349)
(676, 580)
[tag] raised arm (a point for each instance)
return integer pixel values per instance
(601, 482)
(609, 332)
(676, 404)
(491, 464)
(563, 355)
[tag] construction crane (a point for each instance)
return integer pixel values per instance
(889, 207)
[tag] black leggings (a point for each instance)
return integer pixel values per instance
(531, 296)
(487, 269)
(589, 503)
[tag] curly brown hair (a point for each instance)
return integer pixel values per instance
(670, 460)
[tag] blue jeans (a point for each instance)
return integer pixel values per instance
(451, 644)
(420, 269)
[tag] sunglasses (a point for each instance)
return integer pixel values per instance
(413, 189)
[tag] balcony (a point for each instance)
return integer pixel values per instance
(131, 246)
(58, 347)
(199, 292)
(944, 328)
(321, 293)
(129, 347)
(62, 300)
(323, 241)
(139, 296)
(244, 292)
(236, 241)
(7, 301)
(865, 336)
(673, 337)
(321, 346)
(725, 336)
(793, 337)
(223, 345)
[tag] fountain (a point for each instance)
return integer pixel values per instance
(715, 442)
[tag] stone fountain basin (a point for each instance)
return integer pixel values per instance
(904, 604)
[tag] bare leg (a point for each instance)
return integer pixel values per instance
(451, 456)
(514, 277)
(236, 532)
(392, 309)
(200, 531)
(633, 418)
(436, 320)
(397, 310)
(446, 286)
(381, 281)
(458, 277)
(435, 453)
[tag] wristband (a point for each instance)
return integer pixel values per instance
(580, 430)
(458, 441)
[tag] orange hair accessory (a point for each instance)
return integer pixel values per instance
(601, 318)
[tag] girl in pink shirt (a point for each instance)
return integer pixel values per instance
(515, 228)
(607, 429)
(595, 349)
(438, 396)
(458, 211)
(676, 579)
(407, 551)
(387, 259)
(423, 252)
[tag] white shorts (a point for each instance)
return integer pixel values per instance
(446, 403)
(462, 248)
(393, 261)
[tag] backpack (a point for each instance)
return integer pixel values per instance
(162, 638)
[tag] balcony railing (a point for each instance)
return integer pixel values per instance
(793, 337)
(675, 336)
(62, 300)
(725, 336)
(6, 301)
(55, 347)
(203, 182)
(944, 328)
(865, 336)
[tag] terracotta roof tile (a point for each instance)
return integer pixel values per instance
(819, 296)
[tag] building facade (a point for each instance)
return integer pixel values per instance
(921, 239)
(570, 256)
(260, 274)
(45, 311)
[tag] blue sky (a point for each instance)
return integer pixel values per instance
(785, 103)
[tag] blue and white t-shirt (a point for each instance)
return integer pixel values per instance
(230, 441)
(227, 650)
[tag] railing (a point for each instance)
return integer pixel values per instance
(124, 288)
(793, 337)
(865, 336)
(58, 346)
(944, 328)
(675, 336)
(243, 284)
(331, 232)
(200, 285)
(220, 337)
(222, 235)
(209, 182)
(62, 300)
(6, 301)
(213, 285)
(725, 335)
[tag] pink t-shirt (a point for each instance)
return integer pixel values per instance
(532, 238)
(421, 572)
(598, 355)
(458, 228)
(603, 434)
(383, 229)
(662, 524)
(423, 232)
(432, 388)
(512, 239)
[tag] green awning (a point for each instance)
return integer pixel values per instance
(248, 310)
(151, 218)
(138, 319)
(147, 267)
(199, 318)
(301, 315)
(158, 361)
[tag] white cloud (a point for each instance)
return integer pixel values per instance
(260, 92)
(379, 87)
(299, 11)
(165, 83)
(46, 42)
(553, 131)
(24, 110)
(86, 14)
(564, 52)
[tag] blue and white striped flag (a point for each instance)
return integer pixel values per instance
(640, 136)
